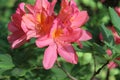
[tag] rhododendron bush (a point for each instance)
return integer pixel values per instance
(60, 40)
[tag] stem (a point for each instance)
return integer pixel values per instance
(67, 73)
(94, 62)
(98, 71)
(108, 74)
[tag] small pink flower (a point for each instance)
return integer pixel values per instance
(17, 37)
(65, 30)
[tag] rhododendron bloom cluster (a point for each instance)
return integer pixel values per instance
(57, 31)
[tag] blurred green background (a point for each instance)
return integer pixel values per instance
(25, 63)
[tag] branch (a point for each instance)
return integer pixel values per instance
(94, 62)
(108, 74)
(67, 73)
(98, 71)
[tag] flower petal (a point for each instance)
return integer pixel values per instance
(20, 10)
(50, 56)
(16, 42)
(85, 35)
(68, 36)
(79, 18)
(31, 34)
(11, 27)
(52, 5)
(112, 65)
(67, 52)
(30, 8)
(41, 3)
(43, 42)
(28, 19)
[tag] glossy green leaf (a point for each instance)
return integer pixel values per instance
(107, 35)
(19, 72)
(6, 62)
(115, 19)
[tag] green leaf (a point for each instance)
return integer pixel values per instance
(6, 62)
(87, 59)
(107, 35)
(115, 19)
(98, 48)
(58, 73)
(19, 72)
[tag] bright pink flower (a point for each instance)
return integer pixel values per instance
(64, 31)
(59, 43)
(117, 9)
(40, 18)
(18, 37)
(58, 32)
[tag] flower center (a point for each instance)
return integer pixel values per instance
(41, 18)
(57, 33)
(43, 23)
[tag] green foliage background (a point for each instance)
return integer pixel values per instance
(25, 63)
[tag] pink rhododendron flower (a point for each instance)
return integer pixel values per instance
(58, 32)
(64, 31)
(40, 18)
(17, 37)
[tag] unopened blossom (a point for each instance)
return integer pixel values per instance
(117, 9)
(116, 37)
(65, 30)
(17, 36)
(111, 64)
